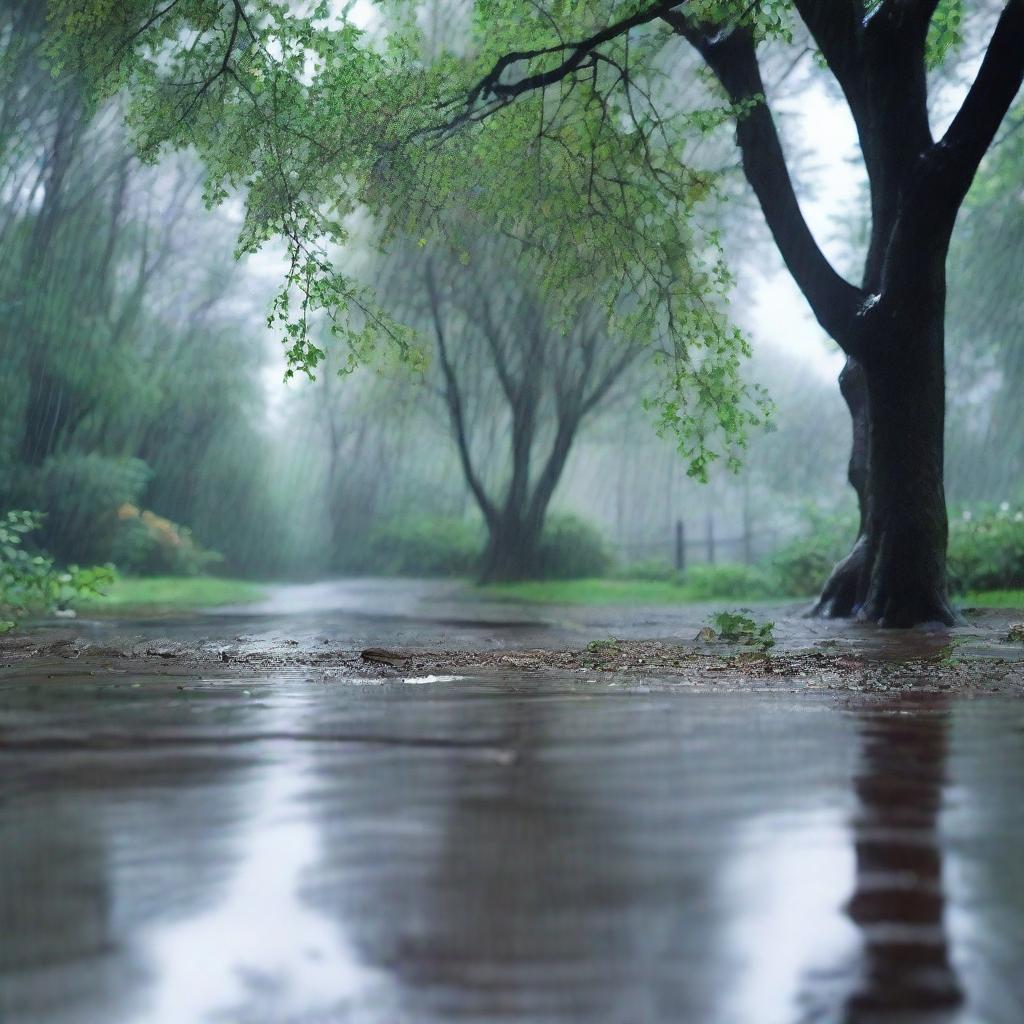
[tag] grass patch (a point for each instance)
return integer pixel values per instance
(640, 592)
(605, 591)
(994, 599)
(172, 593)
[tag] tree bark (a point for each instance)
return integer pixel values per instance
(907, 522)
(895, 574)
(513, 550)
(844, 592)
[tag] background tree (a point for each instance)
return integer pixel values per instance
(125, 376)
(516, 387)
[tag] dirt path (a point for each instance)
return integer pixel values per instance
(704, 665)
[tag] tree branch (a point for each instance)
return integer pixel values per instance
(973, 129)
(733, 58)
(925, 10)
(454, 400)
(836, 26)
(552, 471)
(609, 378)
(491, 335)
(576, 54)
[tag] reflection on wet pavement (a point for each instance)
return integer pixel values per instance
(899, 901)
(504, 850)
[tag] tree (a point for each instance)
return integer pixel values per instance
(112, 329)
(558, 125)
(515, 387)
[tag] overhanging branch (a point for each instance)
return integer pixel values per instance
(971, 133)
(574, 55)
(733, 59)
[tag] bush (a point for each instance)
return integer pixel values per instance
(427, 546)
(570, 549)
(739, 582)
(146, 544)
(986, 549)
(30, 582)
(81, 495)
(436, 546)
(801, 567)
(738, 626)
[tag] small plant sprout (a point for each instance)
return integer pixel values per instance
(739, 626)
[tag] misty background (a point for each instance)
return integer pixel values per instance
(146, 414)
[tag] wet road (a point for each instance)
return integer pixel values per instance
(279, 851)
(433, 613)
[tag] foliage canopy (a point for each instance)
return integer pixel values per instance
(317, 123)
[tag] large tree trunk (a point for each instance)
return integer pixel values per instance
(896, 573)
(513, 549)
(892, 326)
(907, 525)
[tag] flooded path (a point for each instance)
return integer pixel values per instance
(278, 850)
(439, 613)
(481, 851)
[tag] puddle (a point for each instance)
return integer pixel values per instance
(419, 680)
(544, 853)
(259, 949)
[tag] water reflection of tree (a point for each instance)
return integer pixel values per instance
(898, 901)
(98, 847)
(544, 888)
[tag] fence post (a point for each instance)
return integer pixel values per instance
(680, 546)
(711, 539)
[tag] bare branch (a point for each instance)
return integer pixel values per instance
(577, 55)
(454, 398)
(969, 136)
(733, 58)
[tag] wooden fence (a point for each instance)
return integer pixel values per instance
(694, 545)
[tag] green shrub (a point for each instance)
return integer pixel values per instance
(146, 544)
(436, 546)
(426, 546)
(81, 495)
(571, 549)
(650, 571)
(801, 566)
(741, 627)
(986, 549)
(30, 582)
(711, 582)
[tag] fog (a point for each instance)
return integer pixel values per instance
(148, 417)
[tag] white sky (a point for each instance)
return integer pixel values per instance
(829, 185)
